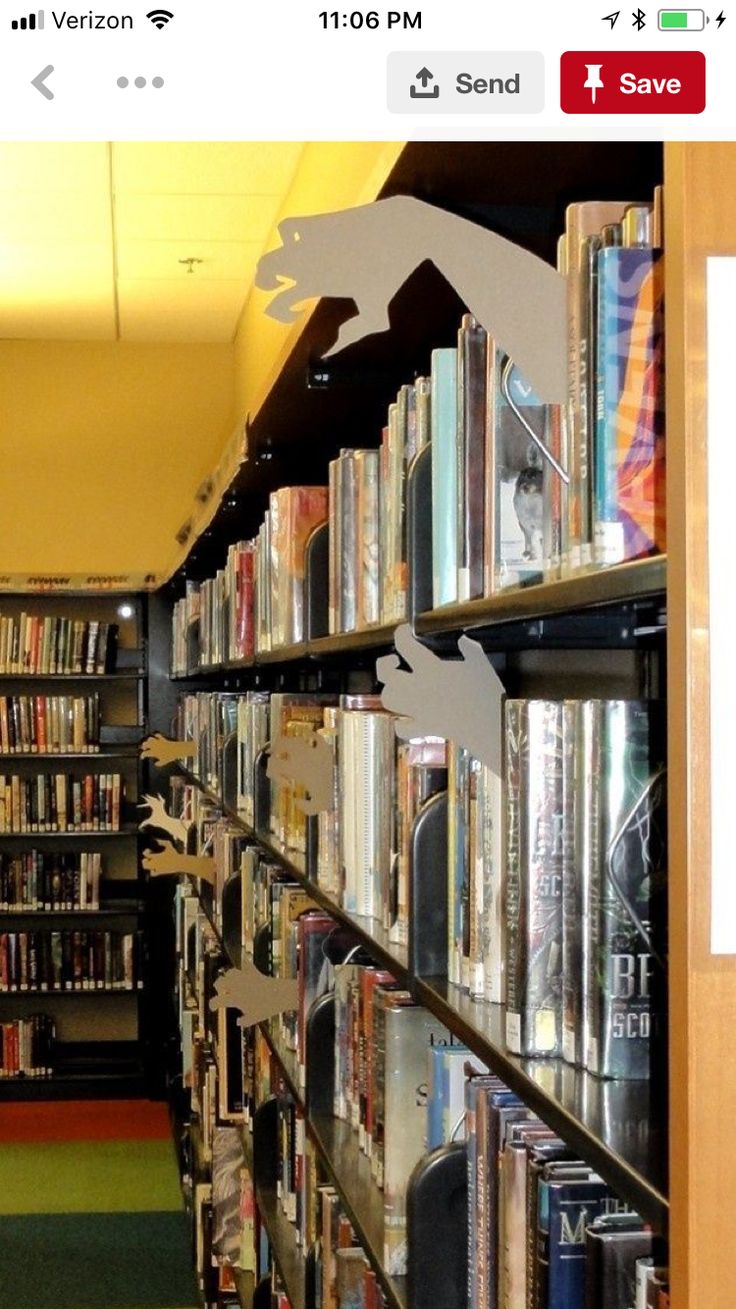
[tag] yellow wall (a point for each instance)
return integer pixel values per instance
(331, 176)
(102, 446)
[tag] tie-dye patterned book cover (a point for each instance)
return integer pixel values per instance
(629, 447)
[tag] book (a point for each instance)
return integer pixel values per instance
(625, 987)
(443, 410)
(472, 405)
(629, 415)
(583, 220)
(410, 1031)
(539, 744)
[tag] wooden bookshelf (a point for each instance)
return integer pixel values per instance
(700, 181)
(677, 1167)
(97, 1054)
(617, 1127)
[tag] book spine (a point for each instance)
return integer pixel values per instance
(630, 517)
(471, 451)
(349, 559)
(444, 475)
(629, 911)
(536, 823)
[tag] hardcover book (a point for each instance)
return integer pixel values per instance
(538, 758)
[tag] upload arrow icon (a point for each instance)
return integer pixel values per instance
(425, 77)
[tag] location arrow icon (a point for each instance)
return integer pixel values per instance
(40, 79)
(611, 18)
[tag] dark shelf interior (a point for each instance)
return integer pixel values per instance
(288, 1257)
(619, 1127)
(350, 1171)
(83, 1071)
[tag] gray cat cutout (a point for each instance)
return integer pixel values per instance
(458, 699)
(257, 996)
(306, 762)
(366, 254)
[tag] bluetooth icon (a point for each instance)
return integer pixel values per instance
(639, 18)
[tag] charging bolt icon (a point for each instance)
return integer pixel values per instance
(595, 81)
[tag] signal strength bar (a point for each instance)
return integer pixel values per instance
(33, 23)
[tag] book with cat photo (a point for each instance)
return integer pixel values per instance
(520, 477)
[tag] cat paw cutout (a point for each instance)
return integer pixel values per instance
(458, 699)
(256, 996)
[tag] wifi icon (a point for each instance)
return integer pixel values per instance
(160, 17)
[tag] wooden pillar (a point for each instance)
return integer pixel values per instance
(700, 220)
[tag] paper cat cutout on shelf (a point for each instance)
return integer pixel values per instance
(257, 996)
(160, 819)
(308, 762)
(167, 861)
(162, 751)
(458, 699)
(367, 253)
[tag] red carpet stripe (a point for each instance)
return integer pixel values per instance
(84, 1120)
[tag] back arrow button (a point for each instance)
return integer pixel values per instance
(39, 80)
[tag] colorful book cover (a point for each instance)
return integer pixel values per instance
(630, 438)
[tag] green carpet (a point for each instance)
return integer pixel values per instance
(91, 1211)
(96, 1261)
(88, 1177)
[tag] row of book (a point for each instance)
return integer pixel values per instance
(59, 802)
(544, 1229)
(69, 961)
(257, 601)
(49, 724)
(571, 930)
(31, 645)
(229, 1072)
(344, 1278)
(556, 872)
(521, 491)
(37, 881)
(27, 1047)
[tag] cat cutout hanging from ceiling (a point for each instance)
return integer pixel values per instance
(367, 253)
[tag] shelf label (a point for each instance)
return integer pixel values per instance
(721, 296)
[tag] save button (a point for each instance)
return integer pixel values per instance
(628, 82)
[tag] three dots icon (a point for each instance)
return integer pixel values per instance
(140, 82)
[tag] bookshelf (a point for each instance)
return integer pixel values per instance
(99, 1049)
(633, 627)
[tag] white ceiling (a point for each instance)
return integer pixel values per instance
(91, 235)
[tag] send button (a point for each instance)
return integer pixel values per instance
(463, 82)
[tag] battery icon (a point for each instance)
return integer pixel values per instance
(681, 20)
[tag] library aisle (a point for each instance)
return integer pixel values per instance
(90, 1201)
(355, 876)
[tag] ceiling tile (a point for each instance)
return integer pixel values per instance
(29, 216)
(52, 166)
(82, 263)
(204, 167)
(195, 217)
(221, 260)
(182, 310)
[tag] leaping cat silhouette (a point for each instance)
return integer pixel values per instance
(367, 253)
